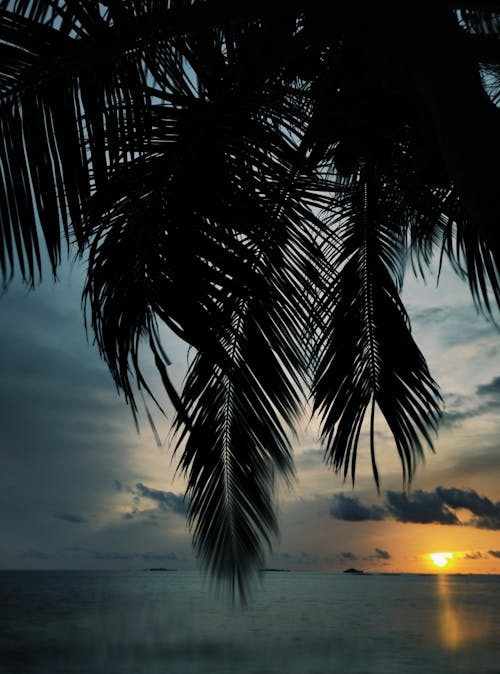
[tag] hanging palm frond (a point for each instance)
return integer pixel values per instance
(366, 358)
(70, 108)
(250, 174)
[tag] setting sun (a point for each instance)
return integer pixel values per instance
(440, 559)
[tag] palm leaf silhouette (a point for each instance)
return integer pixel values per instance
(366, 356)
(254, 176)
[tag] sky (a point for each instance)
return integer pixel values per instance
(80, 488)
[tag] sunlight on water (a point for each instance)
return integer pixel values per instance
(460, 628)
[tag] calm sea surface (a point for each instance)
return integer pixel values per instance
(298, 623)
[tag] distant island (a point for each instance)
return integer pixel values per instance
(353, 570)
(275, 570)
(161, 568)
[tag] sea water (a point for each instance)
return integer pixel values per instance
(144, 622)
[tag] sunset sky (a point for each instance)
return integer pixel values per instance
(79, 488)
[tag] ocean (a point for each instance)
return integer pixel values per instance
(144, 622)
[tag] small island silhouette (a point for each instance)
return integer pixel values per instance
(353, 570)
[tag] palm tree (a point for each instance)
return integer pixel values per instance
(255, 176)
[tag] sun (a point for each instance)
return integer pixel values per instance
(440, 559)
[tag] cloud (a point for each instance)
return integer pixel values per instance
(492, 388)
(494, 553)
(350, 509)
(461, 410)
(419, 508)
(144, 516)
(486, 513)
(70, 517)
(439, 506)
(423, 507)
(452, 417)
(119, 486)
(379, 554)
(432, 315)
(348, 555)
(167, 501)
(474, 555)
(299, 558)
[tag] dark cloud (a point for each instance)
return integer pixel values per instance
(423, 507)
(379, 554)
(452, 417)
(492, 388)
(431, 315)
(70, 517)
(299, 558)
(439, 506)
(451, 325)
(419, 508)
(167, 501)
(486, 513)
(461, 409)
(143, 516)
(119, 486)
(474, 555)
(350, 509)
(348, 555)
(494, 553)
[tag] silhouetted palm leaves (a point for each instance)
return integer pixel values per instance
(254, 176)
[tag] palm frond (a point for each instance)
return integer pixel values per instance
(237, 443)
(205, 230)
(70, 107)
(438, 223)
(221, 166)
(367, 356)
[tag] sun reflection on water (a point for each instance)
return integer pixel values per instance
(458, 628)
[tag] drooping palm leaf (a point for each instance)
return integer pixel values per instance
(237, 442)
(181, 144)
(212, 228)
(366, 356)
(70, 107)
